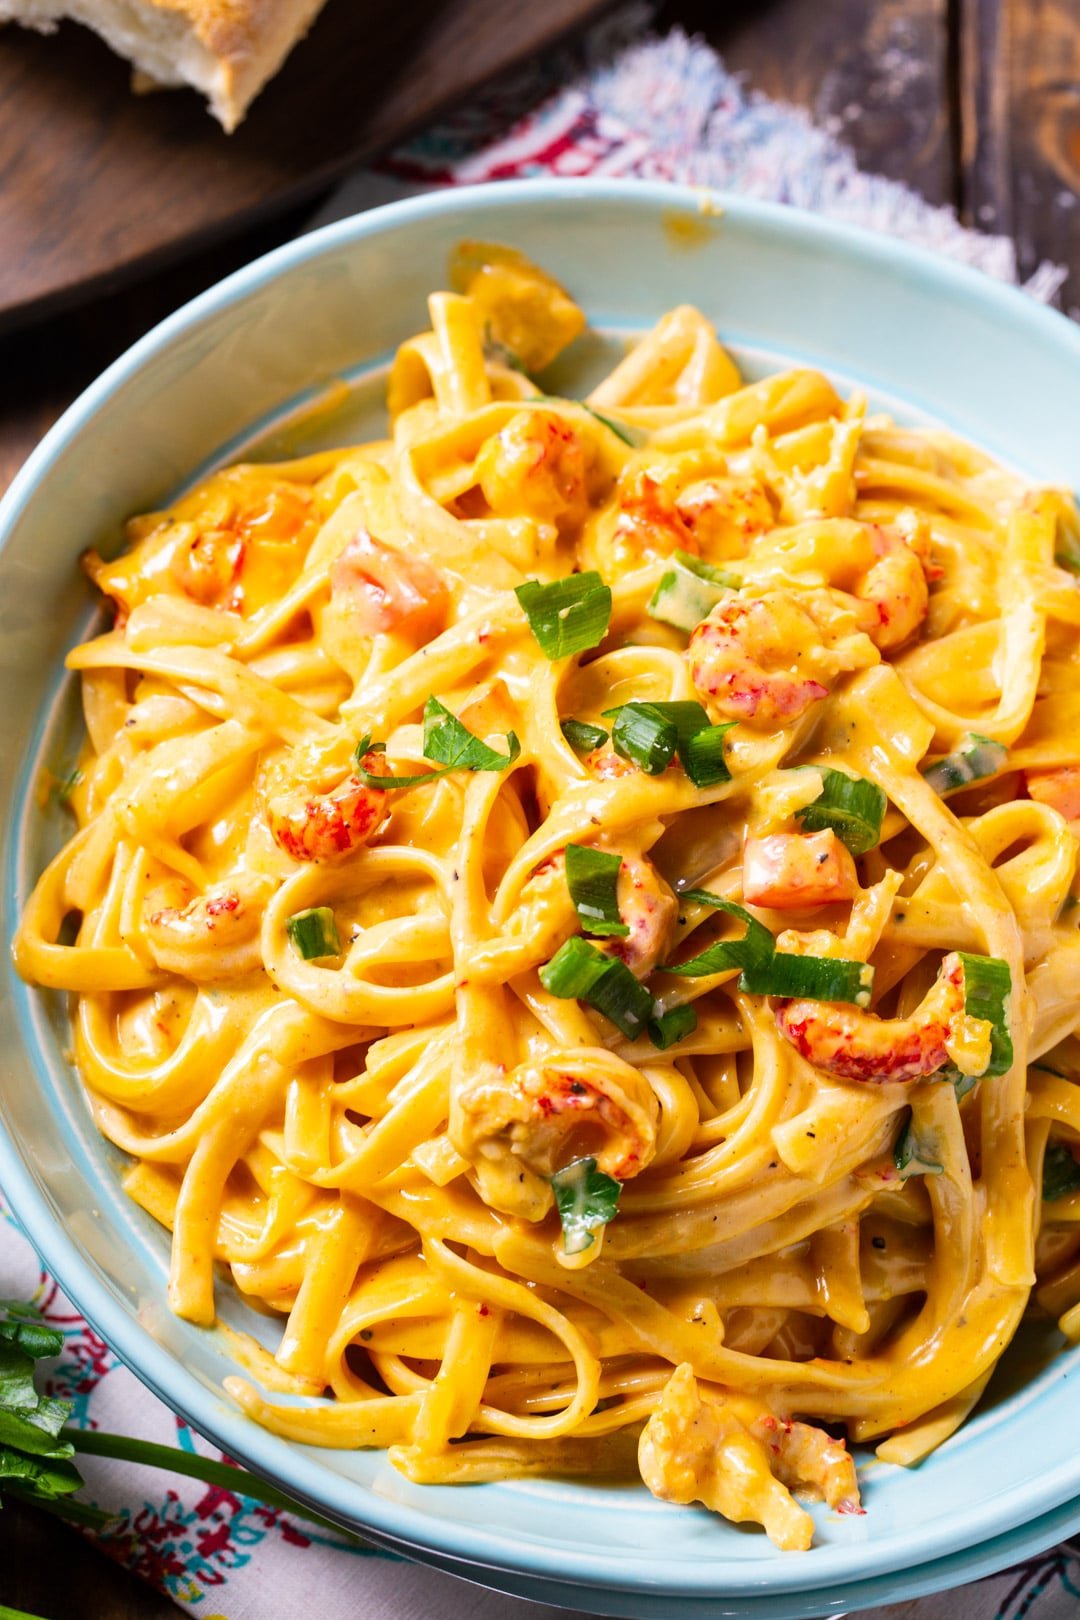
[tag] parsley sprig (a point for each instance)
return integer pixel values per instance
(37, 1445)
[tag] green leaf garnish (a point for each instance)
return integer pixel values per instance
(568, 616)
(448, 742)
(688, 591)
(852, 807)
(765, 971)
(913, 1156)
(314, 933)
(582, 737)
(649, 735)
(976, 758)
(580, 972)
(987, 987)
(672, 1026)
(1061, 1172)
(592, 876)
(586, 1199)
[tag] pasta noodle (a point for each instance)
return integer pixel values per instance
(573, 906)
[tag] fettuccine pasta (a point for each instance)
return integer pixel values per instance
(573, 907)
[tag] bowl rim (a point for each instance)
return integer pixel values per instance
(400, 1524)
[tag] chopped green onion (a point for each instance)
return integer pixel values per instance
(448, 742)
(582, 737)
(987, 986)
(688, 591)
(817, 978)
(769, 972)
(579, 971)
(708, 571)
(704, 758)
(1061, 1172)
(314, 933)
(568, 616)
(1067, 546)
(499, 353)
(66, 788)
(852, 807)
(912, 1155)
(962, 1084)
(977, 757)
(672, 1026)
(622, 430)
(592, 877)
(753, 950)
(642, 735)
(586, 1199)
(649, 735)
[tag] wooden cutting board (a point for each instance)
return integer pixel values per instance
(97, 183)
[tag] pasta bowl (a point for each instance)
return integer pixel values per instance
(291, 353)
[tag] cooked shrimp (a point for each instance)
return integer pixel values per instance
(767, 659)
(1059, 788)
(857, 1045)
(209, 936)
(544, 918)
(535, 467)
(606, 763)
(650, 910)
(206, 566)
(648, 526)
(311, 823)
(725, 515)
(695, 1450)
(805, 1458)
(382, 589)
(895, 585)
(574, 1103)
(789, 870)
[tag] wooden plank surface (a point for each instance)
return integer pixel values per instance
(874, 74)
(95, 182)
(1019, 110)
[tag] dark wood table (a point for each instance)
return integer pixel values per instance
(976, 103)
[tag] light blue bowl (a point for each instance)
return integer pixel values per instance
(236, 367)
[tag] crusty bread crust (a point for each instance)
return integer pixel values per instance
(228, 49)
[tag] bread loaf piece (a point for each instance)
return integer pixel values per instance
(228, 49)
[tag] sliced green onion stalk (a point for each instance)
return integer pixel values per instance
(765, 971)
(753, 950)
(852, 807)
(987, 987)
(914, 1154)
(688, 591)
(1061, 1172)
(592, 876)
(568, 616)
(582, 737)
(649, 735)
(446, 741)
(976, 758)
(67, 787)
(622, 430)
(672, 1026)
(704, 756)
(962, 1084)
(586, 1199)
(813, 978)
(313, 933)
(580, 972)
(1067, 543)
